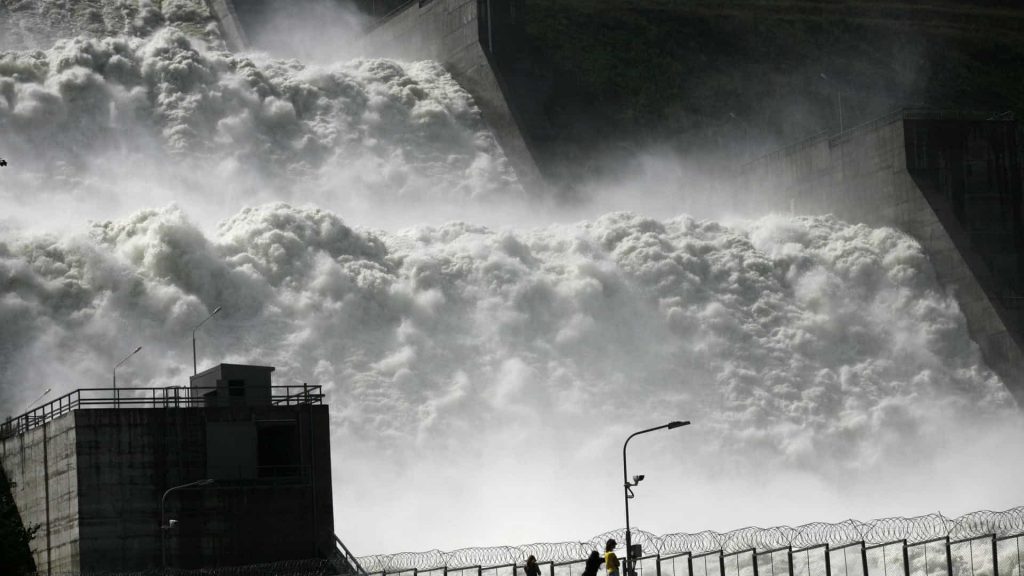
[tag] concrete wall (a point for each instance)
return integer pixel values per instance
(128, 458)
(93, 480)
(42, 469)
(230, 29)
(449, 31)
(455, 33)
(862, 176)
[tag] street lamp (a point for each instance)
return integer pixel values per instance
(627, 486)
(839, 96)
(114, 371)
(212, 314)
(164, 527)
(40, 397)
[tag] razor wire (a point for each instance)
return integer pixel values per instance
(911, 530)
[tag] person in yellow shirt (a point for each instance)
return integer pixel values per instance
(611, 561)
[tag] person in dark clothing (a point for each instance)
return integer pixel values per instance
(531, 567)
(593, 563)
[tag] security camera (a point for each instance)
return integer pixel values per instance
(172, 523)
(637, 479)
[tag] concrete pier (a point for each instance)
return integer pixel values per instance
(952, 181)
(464, 36)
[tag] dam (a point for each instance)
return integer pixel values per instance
(952, 180)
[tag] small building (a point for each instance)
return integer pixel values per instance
(230, 470)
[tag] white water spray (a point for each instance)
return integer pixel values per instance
(481, 378)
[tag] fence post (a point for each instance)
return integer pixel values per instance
(721, 563)
(995, 556)
(949, 558)
(753, 558)
(828, 562)
(657, 564)
(789, 557)
(906, 559)
(864, 558)
(689, 564)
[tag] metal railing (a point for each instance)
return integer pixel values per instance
(168, 397)
(898, 114)
(978, 544)
(390, 14)
(340, 557)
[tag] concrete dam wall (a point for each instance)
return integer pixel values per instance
(463, 35)
(951, 181)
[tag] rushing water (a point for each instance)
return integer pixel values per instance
(481, 376)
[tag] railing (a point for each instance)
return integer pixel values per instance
(907, 113)
(340, 557)
(977, 544)
(169, 397)
(389, 15)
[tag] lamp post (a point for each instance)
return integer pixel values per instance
(627, 486)
(38, 398)
(165, 527)
(114, 371)
(212, 314)
(839, 97)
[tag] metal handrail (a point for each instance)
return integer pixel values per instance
(381, 20)
(348, 556)
(166, 397)
(902, 113)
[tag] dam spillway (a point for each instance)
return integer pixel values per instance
(952, 180)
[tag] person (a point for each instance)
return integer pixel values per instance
(593, 563)
(611, 561)
(531, 566)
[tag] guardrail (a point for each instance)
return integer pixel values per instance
(340, 556)
(906, 113)
(168, 397)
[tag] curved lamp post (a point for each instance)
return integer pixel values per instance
(164, 527)
(114, 371)
(212, 314)
(627, 486)
(38, 398)
(839, 95)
